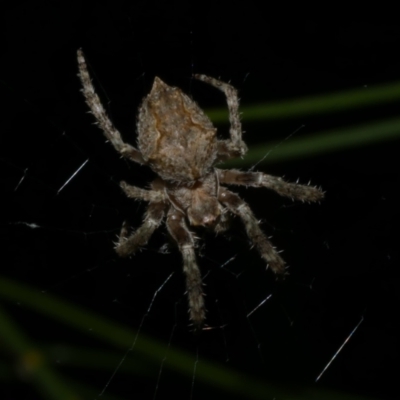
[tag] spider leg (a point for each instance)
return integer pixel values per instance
(239, 207)
(97, 109)
(224, 222)
(179, 231)
(235, 146)
(134, 192)
(128, 245)
(259, 179)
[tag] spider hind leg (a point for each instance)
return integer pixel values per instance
(234, 146)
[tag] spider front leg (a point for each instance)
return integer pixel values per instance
(128, 245)
(259, 179)
(239, 207)
(134, 192)
(97, 109)
(180, 232)
(235, 147)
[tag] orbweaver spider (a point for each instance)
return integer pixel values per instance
(179, 143)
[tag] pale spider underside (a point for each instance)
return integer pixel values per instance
(179, 142)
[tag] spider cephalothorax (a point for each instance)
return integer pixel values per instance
(179, 142)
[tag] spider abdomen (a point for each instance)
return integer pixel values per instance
(175, 137)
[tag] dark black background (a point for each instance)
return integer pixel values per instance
(343, 254)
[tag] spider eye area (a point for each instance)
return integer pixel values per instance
(208, 220)
(204, 209)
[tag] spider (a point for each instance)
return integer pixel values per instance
(179, 143)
